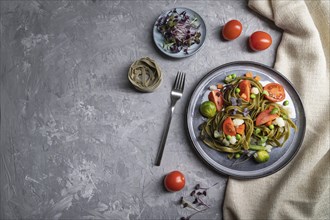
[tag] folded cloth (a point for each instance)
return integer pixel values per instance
(301, 189)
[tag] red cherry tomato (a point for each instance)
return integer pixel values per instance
(174, 181)
(232, 30)
(245, 90)
(216, 97)
(265, 116)
(260, 40)
(228, 127)
(275, 91)
(240, 129)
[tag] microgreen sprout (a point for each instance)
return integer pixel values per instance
(186, 204)
(189, 217)
(195, 200)
(179, 30)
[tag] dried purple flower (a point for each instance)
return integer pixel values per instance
(233, 101)
(239, 101)
(246, 112)
(201, 202)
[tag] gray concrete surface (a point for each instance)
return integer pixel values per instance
(77, 141)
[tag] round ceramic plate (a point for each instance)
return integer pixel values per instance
(279, 156)
(159, 39)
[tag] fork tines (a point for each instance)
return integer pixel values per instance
(179, 81)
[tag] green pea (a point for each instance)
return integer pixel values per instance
(237, 90)
(265, 92)
(286, 102)
(274, 111)
(238, 137)
(257, 131)
(228, 137)
(233, 76)
(271, 127)
(252, 96)
(237, 155)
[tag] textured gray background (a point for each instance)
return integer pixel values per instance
(77, 141)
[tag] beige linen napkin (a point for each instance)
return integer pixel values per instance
(301, 189)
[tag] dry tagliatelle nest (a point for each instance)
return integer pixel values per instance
(145, 75)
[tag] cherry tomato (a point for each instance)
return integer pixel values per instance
(240, 129)
(174, 181)
(265, 116)
(232, 30)
(216, 97)
(245, 90)
(260, 40)
(228, 127)
(275, 91)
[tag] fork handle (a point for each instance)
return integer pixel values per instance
(164, 137)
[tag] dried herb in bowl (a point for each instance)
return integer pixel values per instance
(145, 74)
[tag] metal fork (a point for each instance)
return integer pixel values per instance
(176, 94)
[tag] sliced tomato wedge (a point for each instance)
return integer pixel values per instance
(245, 89)
(268, 123)
(265, 116)
(240, 129)
(275, 91)
(228, 127)
(216, 97)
